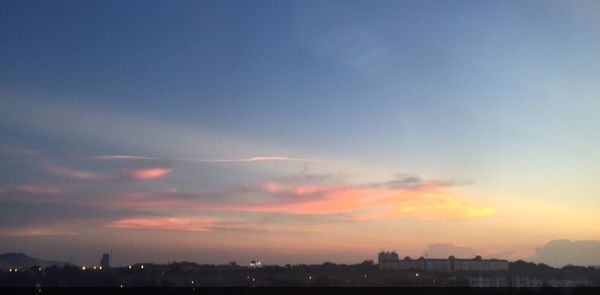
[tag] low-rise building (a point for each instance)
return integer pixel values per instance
(390, 261)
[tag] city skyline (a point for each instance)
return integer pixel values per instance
(299, 131)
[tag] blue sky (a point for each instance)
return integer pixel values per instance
(497, 96)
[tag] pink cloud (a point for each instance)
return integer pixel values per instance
(146, 173)
(2, 190)
(194, 224)
(430, 201)
(272, 187)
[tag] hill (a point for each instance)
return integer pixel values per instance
(22, 261)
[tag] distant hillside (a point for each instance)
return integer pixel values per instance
(20, 260)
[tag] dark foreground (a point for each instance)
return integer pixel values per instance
(302, 291)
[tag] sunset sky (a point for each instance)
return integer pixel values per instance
(298, 131)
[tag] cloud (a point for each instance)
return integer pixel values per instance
(193, 224)
(125, 157)
(144, 200)
(87, 124)
(35, 231)
(2, 190)
(72, 172)
(219, 160)
(137, 174)
(42, 162)
(19, 151)
(146, 173)
(563, 252)
(408, 181)
(254, 159)
(358, 203)
(428, 200)
(444, 250)
(18, 216)
(40, 189)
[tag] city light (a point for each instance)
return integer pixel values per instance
(83, 267)
(142, 266)
(130, 267)
(100, 267)
(94, 267)
(255, 264)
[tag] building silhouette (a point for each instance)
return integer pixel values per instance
(105, 261)
(391, 261)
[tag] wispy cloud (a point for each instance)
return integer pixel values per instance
(146, 173)
(431, 200)
(125, 157)
(366, 203)
(254, 159)
(128, 173)
(19, 151)
(43, 189)
(35, 231)
(149, 201)
(44, 163)
(194, 224)
(87, 124)
(72, 172)
(215, 160)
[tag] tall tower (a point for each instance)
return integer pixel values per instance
(105, 261)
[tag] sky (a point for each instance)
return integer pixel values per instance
(299, 131)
